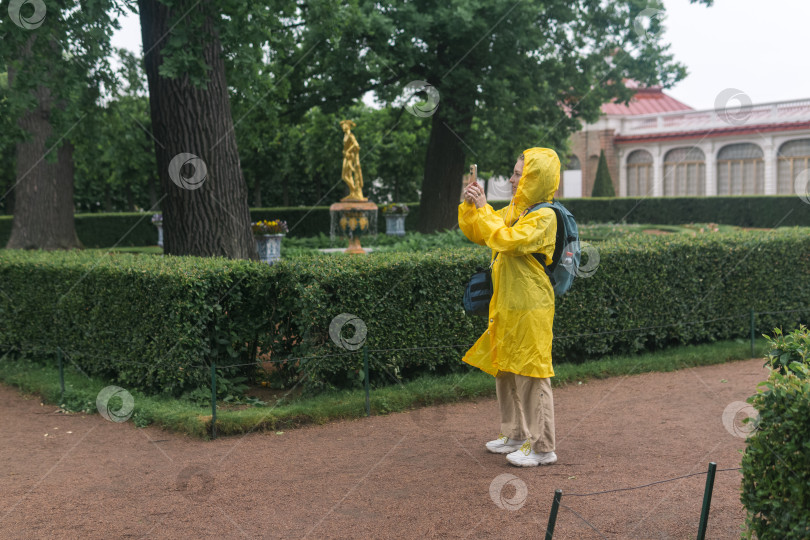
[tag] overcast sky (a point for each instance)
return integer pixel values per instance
(757, 47)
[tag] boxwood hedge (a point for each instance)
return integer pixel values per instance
(155, 322)
(148, 322)
(135, 229)
(776, 462)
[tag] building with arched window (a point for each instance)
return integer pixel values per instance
(657, 146)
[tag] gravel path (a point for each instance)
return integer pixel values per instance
(421, 474)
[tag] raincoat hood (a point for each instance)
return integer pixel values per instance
(539, 181)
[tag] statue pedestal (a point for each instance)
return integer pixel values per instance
(353, 219)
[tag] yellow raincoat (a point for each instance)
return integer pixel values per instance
(521, 313)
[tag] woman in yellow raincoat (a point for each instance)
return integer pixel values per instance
(516, 346)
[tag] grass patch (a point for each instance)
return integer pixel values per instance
(192, 419)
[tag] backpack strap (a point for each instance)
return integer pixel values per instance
(539, 257)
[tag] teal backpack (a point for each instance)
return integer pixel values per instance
(567, 252)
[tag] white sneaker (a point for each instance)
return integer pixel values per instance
(526, 457)
(503, 445)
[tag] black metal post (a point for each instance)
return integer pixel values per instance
(213, 400)
(552, 517)
(753, 315)
(365, 379)
(707, 501)
(61, 375)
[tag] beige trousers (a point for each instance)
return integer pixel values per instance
(527, 409)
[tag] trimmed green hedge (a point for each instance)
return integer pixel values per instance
(765, 211)
(776, 462)
(148, 322)
(135, 229)
(158, 317)
(667, 288)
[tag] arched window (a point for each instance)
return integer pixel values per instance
(573, 164)
(794, 157)
(740, 170)
(639, 174)
(684, 172)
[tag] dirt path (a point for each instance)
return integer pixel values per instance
(411, 475)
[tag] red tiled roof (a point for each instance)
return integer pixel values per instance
(646, 101)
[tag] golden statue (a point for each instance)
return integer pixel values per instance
(352, 174)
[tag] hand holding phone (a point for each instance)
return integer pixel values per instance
(474, 193)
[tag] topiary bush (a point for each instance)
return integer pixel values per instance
(776, 462)
(603, 184)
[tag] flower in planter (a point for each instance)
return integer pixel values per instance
(275, 226)
(157, 219)
(395, 209)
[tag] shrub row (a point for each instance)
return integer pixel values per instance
(776, 462)
(148, 322)
(159, 317)
(135, 229)
(647, 294)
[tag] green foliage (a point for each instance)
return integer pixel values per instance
(155, 323)
(776, 462)
(114, 153)
(68, 54)
(151, 323)
(647, 294)
(506, 90)
(791, 352)
(305, 158)
(603, 185)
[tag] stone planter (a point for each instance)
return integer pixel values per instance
(269, 247)
(395, 224)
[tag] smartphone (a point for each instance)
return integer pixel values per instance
(473, 173)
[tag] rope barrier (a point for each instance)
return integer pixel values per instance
(647, 485)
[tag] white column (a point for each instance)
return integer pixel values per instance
(622, 174)
(658, 172)
(770, 166)
(711, 168)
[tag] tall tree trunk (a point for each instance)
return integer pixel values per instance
(212, 220)
(444, 168)
(9, 200)
(43, 205)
